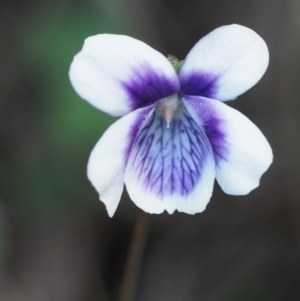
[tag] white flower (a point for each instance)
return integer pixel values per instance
(176, 135)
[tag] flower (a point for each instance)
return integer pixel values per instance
(176, 135)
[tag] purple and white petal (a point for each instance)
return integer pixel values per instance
(171, 167)
(118, 74)
(109, 157)
(225, 63)
(242, 153)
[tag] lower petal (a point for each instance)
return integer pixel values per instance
(108, 159)
(241, 151)
(171, 167)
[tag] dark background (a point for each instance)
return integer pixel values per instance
(56, 240)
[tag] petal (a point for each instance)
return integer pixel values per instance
(118, 74)
(108, 159)
(242, 153)
(171, 168)
(225, 63)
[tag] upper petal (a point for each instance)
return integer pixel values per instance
(225, 63)
(242, 153)
(108, 159)
(118, 74)
(171, 167)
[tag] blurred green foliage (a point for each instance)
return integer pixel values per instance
(70, 126)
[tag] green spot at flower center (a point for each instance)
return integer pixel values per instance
(175, 62)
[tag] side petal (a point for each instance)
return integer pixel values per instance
(108, 159)
(225, 63)
(242, 153)
(118, 74)
(171, 167)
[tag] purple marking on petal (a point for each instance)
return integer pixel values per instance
(136, 127)
(214, 130)
(147, 86)
(199, 84)
(213, 124)
(169, 161)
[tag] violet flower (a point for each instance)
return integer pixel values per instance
(176, 135)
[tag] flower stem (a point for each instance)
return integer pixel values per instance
(134, 256)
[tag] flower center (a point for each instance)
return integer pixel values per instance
(168, 106)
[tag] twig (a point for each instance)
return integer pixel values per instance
(135, 252)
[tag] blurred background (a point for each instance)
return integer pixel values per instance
(56, 239)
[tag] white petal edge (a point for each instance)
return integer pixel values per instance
(249, 154)
(235, 54)
(107, 162)
(195, 202)
(106, 61)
